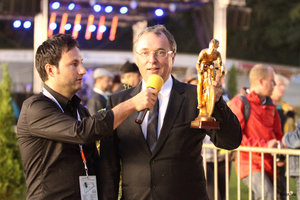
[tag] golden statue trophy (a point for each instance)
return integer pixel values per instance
(206, 70)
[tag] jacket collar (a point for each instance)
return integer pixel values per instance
(252, 96)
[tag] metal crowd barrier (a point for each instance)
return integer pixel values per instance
(261, 150)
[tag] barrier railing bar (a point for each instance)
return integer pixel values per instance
(261, 150)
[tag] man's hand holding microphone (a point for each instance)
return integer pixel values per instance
(155, 83)
(141, 102)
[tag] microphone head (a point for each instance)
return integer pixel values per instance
(155, 81)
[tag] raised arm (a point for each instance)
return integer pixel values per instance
(141, 101)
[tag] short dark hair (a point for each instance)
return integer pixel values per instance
(158, 30)
(50, 52)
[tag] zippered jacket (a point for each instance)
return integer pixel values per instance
(263, 125)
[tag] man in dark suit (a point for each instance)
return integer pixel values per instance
(173, 168)
(103, 80)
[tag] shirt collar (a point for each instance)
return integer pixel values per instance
(166, 88)
(63, 101)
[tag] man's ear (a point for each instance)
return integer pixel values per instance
(260, 81)
(173, 58)
(50, 69)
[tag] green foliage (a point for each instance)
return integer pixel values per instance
(232, 81)
(12, 182)
(244, 190)
(273, 36)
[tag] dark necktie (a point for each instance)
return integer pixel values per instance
(152, 126)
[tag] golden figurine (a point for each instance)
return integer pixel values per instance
(209, 61)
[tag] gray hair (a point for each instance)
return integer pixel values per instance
(158, 30)
(283, 78)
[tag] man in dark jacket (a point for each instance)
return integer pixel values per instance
(103, 80)
(162, 163)
(130, 76)
(56, 134)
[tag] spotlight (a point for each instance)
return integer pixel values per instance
(63, 22)
(113, 28)
(53, 26)
(71, 6)
(159, 12)
(17, 24)
(97, 8)
(103, 28)
(68, 26)
(93, 2)
(133, 4)
(100, 24)
(123, 10)
(77, 27)
(172, 7)
(55, 5)
(27, 24)
(88, 27)
(51, 21)
(108, 9)
(92, 28)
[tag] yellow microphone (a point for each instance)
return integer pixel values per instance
(154, 81)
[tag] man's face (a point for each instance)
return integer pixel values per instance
(279, 88)
(133, 79)
(161, 66)
(105, 83)
(68, 77)
(268, 83)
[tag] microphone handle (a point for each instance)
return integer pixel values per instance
(141, 116)
(142, 113)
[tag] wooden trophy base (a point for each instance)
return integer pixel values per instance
(205, 123)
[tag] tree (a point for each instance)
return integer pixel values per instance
(232, 81)
(12, 180)
(273, 36)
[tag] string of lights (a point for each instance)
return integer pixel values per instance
(102, 15)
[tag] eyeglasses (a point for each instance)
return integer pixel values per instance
(157, 54)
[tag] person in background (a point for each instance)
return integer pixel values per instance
(130, 76)
(191, 76)
(286, 112)
(292, 140)
(288, 124)
(15, 109)
(56, 133)
(263, 129)
(162, 160)
(103, 80)
(116, 83)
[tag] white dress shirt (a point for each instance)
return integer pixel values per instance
(163, 97)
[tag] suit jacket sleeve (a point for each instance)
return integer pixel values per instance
(229, 136)
(40, 116)
(109, 166)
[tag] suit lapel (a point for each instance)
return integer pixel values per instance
(174, 105)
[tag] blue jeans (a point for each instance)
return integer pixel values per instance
(256, 186)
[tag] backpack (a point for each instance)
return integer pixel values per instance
(246, 107)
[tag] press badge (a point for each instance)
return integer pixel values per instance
(88, 187)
